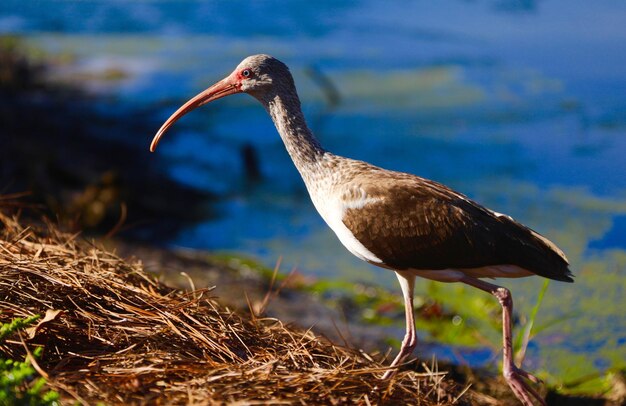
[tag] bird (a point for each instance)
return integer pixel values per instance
(404, 223)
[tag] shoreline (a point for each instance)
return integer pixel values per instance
(94, 271)
(114, 334)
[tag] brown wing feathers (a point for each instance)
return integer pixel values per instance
(424, 225)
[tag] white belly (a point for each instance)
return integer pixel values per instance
(454, 275)
(332, 209)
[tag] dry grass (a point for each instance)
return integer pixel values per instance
(122, 337)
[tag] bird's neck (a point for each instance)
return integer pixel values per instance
(304, 149)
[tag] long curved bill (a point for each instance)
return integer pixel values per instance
(221, 89)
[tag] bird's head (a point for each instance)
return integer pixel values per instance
(257, 75)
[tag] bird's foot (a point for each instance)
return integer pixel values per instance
(522, 390)
(527, 375)
(389, 374)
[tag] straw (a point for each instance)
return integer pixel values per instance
(122, 337)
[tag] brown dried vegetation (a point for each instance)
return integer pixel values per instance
(122, 337)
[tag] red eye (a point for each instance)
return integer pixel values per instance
(246, 73)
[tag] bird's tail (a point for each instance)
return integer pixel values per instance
(542, 257)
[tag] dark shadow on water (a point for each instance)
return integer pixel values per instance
(54, 145)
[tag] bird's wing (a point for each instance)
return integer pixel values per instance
(411, 222)
(408, 223)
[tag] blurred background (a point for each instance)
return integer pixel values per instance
(519, 104)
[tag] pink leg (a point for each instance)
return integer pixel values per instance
(409, 342)
(512, 374)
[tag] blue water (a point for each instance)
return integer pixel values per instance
(519, 104)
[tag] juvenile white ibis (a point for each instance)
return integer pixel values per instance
(398, 221)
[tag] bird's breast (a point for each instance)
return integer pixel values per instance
(332, 203)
